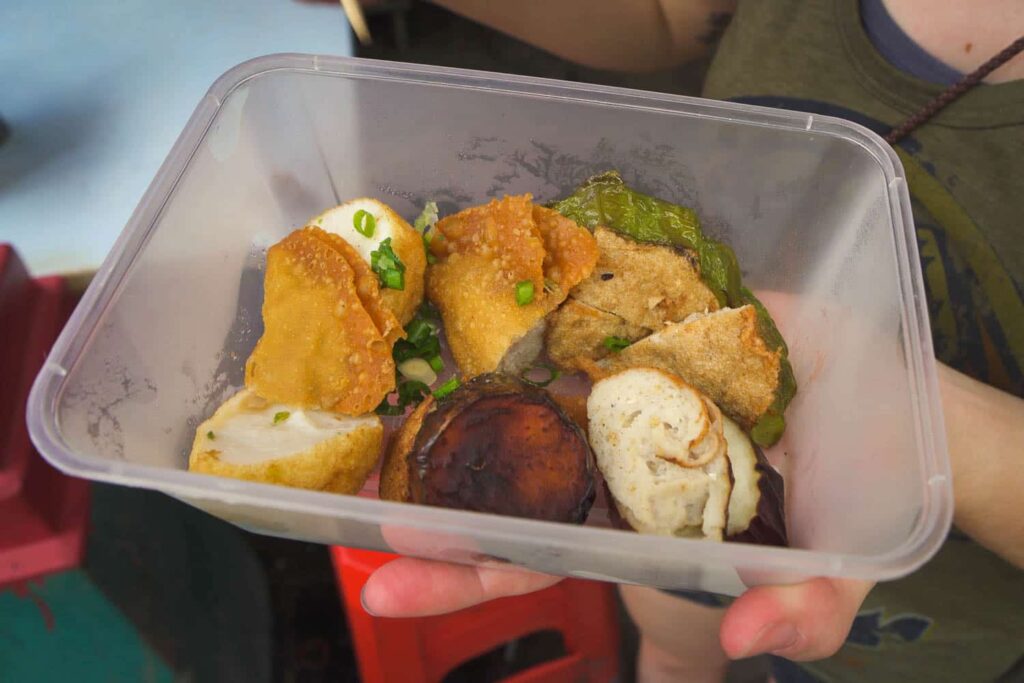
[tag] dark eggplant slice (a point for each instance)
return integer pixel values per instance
(756, 512)
(496, 445)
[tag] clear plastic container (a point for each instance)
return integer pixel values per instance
(817, 209)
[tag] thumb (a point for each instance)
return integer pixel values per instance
(803, 622)
(409, 587)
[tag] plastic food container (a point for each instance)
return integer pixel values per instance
(817, 209)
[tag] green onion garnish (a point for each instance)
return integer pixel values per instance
(431, 259)
(418, 330)
(410, 392)
(210, 435)
(281, 416)
(388, 267)
(421, 341)
(364, 223)
(616, 344)
(551, 376)
(448, 387)
(423, 223)
(426, 219)
(394, 279)
(436, 364)
(524, 292)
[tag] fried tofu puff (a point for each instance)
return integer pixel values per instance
(256, 440)
(405, 241)
(484, 255)
(320, 347)
(721, 354)
(660, 446)
(634, 289)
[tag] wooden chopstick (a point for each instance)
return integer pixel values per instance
(357, 19)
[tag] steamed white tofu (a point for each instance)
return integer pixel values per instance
(386, 224)
(253, 439)
(660, 446)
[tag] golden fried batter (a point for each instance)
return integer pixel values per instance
(367, 286)
(645, 284)
(310, 449)
(721, 354)
(570, 251)
(503, 232)
(483, 252)
(320, 348)
(577, 331)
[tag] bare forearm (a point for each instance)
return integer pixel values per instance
(985, 428)
(620, 35)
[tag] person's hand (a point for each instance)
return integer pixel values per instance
(804, 621)
(409, 587)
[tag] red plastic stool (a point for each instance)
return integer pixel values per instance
(424, 649)
(43, 512)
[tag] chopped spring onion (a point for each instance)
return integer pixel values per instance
(424, 222)
(448, 387)
(427, 218)
(616, 344)
(364, 223)
(421, 344)
(210, 435)
(281, 416)
(388, 267)
(552, 375)
(410, 392)
(394, 279)
(524, 292)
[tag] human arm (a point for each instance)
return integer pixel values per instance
(619, 35)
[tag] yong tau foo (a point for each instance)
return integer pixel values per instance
(523, 358)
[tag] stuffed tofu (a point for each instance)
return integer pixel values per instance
(251, 438)
(722, 354)
(376, 232)
(660, 446)
(327, 337)
(667, 274)
(501, 269)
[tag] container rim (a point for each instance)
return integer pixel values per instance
(932, 523)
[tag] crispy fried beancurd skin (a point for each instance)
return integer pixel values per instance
(483, 253)
(406, 242)
(320, 348)
(570, 251)
(367, 287)
(721, 354)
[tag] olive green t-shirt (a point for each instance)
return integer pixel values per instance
(961, 617)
